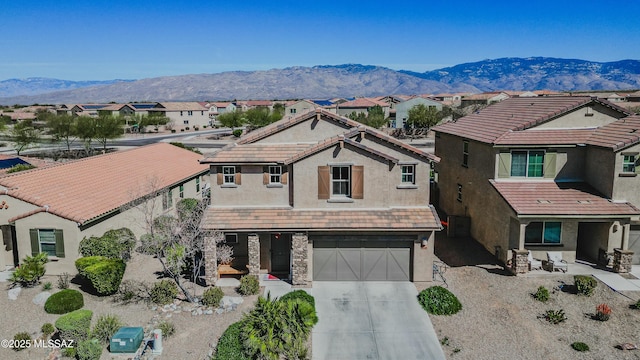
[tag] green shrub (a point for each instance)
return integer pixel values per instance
(74, 325)
(230, 344)
(89, 350)
(28, 274)
(299, 294)
(21, 340)
(48, 329)
(105, 327)
(69, 352)
(603, 312)
(163, 292)
(580, 346)
(439, 301)
(47, 286)
(237, 132)
(64, 301)
(249, 285)
(167, 328)
(113, 244)
(63, 281)
(84, 262)
(585, 284)
(555, 316)
(212, 296)
(636, 305)
(542, 294)
(105, 275)
(20, 167)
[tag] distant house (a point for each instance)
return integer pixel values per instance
(486, 98)
(402, 110)
(361, 105)
(50, 209)
(300, 107)
(183, 114)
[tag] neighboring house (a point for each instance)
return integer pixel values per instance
(183, 114)
(361, 105)
(322, 197)
(543, 174)
(486, 98)
(117, 110)
(51, 209)
(87, 109)
(300, 107)
(402, 110)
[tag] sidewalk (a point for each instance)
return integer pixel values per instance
(617, 282)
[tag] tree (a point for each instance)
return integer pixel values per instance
(233, 119)
(23, 134)
(107, 128)
(374, 117)
(86, 130)
(422, 116)
(61, 128)
(155, 120)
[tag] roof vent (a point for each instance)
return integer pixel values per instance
(544, 201)
(583, 201)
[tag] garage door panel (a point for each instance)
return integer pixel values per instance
(348, 264)
(375, 264)
(324, 264)
(398, 261)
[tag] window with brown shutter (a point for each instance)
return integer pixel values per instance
(323, 182)
(238, 175)
(357, 182)
(219, 175)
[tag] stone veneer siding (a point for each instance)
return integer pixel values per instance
(211, 257)
(520, 261)
(300, 256)
(254, 254)
(622, 260)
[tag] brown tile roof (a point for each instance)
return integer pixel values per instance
(255, 153)
(516, 114)
(180, 106)
(85, 189)
(113, 107)
(559, 199)
(363, 103)
(400, 144)
(618, 134)
(545, 137)
(288, 219)
(259, 102)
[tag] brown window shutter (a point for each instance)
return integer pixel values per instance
(284, 177)
(219, 174)
(238, 177)
(265, 178)
(323, 182)
(357, 182)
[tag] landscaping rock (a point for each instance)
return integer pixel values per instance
(41, 298)
(219, 311)
(13, 293)
(229, 301)
(208, 312)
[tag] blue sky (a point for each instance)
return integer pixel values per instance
(101, 40)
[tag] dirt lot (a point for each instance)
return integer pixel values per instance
(193, 339)
(501, 320)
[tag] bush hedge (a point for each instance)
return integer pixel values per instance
(113, 244)
(439, 301)
(64, 301)
(212, 296)
(74, 325)
(105, 274)
(237, 132)
(163, 292)
(230, 344)
(580, 346)
(249, 285)
(299, 294)
(585, 284)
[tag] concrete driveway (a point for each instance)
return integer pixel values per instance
(371, 320)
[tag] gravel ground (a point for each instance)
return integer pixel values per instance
(195, 336)
(501, 320)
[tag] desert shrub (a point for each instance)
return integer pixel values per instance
(230, 344)
(585, 284)
(237, 132)
(580, 346)
(212, 296)
(603, 312)
(21, 341)
(20, 167)
(555, 316)
(47, 329)
(28, 274)
(89, 350)
(105, 274)
(542, 294)
(163, 292)
(187, 128)
(132, 291)
(69, 352)
(439, 301)
(636, 305)
(173, 131)
(299, 294)
(167, 328)
(47, 286)
(74, 325)
(196, 128)
(114, 244)
(105, 327)
(64, 301)
(249, 285)
(63, 281)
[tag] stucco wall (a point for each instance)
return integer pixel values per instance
(626, 188)
(402, 109)
(311, 130)
(199, 118)
(599, 169)
(15, 207)
(251, 191)
(579, 118)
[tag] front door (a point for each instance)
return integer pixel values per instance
(280, 253)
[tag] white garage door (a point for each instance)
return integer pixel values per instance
(362, 260)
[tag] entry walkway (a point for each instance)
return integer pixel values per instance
(617, 282)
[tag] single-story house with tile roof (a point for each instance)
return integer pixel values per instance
(51, 209)
(361, 105)
(322, 197)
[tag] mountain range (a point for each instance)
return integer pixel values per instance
(327, 81)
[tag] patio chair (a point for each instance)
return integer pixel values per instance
(534, 263)
(556, 262)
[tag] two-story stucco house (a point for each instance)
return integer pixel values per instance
(51, 209)
(402, 109)
(183, 114)
(543, 174)
(321, 197)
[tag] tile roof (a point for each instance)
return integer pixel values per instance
(516, 114)
(545, 137)
(363, 103)
(288, 219)
(256, 153)
(180, 106)
(85, 189)
(559, 199)
(618, 134)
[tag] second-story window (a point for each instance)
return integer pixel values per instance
(465, 153)
(181, 191)
(408, 174)
(197, 185)
(459, 197)
(275, 174)
(629, 163)
(229, 174)
(292, 111)
(527, 163)
(340, 181)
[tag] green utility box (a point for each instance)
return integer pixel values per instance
(126, 340)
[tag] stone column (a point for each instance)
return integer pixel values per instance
(254, 254)
(211, 257)
(622, 260)
(519, 261)
(299, 268)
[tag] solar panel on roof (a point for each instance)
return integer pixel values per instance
(142, 106)
(93, 106)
